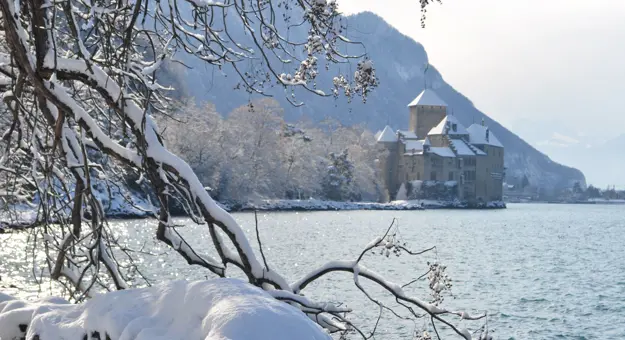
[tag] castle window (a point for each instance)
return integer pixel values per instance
(418, 176)
(433, 176)
(451, 176)
(454, 127)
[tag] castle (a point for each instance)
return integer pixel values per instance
(437, 148)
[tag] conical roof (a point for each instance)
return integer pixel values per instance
(427, 97)
(387, 135)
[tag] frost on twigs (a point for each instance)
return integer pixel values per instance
(365, 81)
(423, 335)
(438, 282)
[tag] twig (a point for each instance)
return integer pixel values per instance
(260, 245)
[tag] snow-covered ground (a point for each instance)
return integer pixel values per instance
(316, 205)
(216, 309)
(606, 201)
(117, 203)
(321, 205)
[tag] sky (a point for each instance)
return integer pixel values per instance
(552, 71)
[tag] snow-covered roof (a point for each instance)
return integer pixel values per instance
(427, 97)
(407, 134)
(474, 148)
(413, 153)
(442, 151)
(387, 135)
(478, 135)
(427, 141)
(446, 127)
(413, 145)
(462, 149)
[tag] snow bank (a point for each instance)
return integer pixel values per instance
(117, 202)
(320, 205)
(456, 204)
(219, 309)
(606, 201)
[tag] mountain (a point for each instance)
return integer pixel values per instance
(399, 63)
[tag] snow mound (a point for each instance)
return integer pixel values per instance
(219, 309)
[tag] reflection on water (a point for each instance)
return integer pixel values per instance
(541, 271)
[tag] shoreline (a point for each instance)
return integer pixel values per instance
(8, 224)
(593, 202)
(320, 205)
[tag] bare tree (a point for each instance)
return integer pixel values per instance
(80, 88)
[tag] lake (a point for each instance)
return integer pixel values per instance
(542, 271)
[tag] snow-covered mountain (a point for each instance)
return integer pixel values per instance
(399, 63)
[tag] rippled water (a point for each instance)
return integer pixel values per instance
(541, 271)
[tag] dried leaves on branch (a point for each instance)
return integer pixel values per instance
(80, 90)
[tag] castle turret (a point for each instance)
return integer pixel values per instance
(387, 141)
(386, 136)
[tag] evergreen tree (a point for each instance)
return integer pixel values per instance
(337, 184)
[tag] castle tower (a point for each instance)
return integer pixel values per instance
(426, 112)
(388, 142)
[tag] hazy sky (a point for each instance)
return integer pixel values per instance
(550, 70)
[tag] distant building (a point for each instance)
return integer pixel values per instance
(437, 147)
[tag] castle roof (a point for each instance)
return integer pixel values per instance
(427, 97)
(462, 149)
(387, 135)
(407, 134)
(482, 135)
(445, 127)
(442, 151)
(413, 145)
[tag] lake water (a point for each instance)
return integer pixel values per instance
(541, 271)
